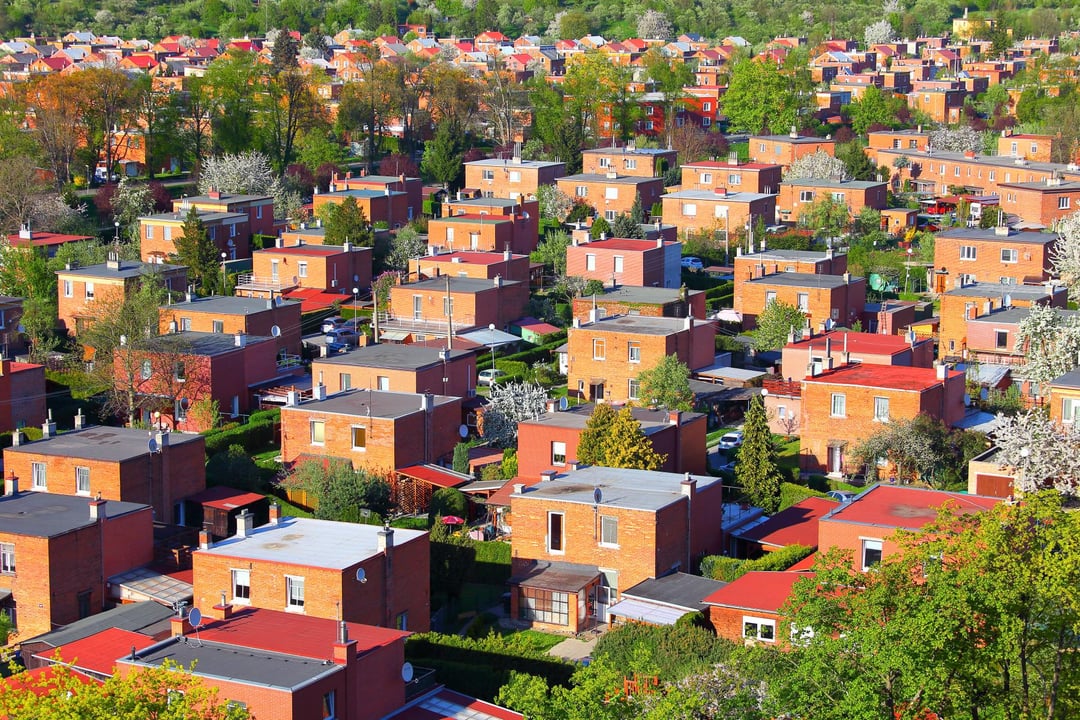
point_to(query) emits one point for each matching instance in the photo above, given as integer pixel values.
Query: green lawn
(287, 508)
(714, 437)
(788, 455)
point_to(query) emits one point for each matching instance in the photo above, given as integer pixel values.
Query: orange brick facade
(984, 256)
(841, 303)
(694, 211)
(783, 149)
(22, 392)
(460, 374)
(798, 195)
(484, 266)
(80, 297)
(390, 207)
(257, 320)
(963, 304)
(229, 232)
(628, 161)
(473, 305)
(323, 267)
(612, 195)
(509, 179)
(626, 262)
(734, 176)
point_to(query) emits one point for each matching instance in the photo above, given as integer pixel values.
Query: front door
(597, 390)
(836, 460)
(607, 594)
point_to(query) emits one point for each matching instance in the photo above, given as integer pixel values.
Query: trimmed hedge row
(728, 569)
(30, 432)
(528, 356)
(256, 435)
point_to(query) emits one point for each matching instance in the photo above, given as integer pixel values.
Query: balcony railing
(419, 325)
(286, 361)
(253, 282)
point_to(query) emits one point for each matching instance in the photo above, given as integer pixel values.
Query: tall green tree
(443, 156)
(774, 324)
(763, 96)
(347, 222)
(615, 439)
(670, 79)
(666, 384)
(875, 107)
(232, 80)
(757, 470)
(196, 250)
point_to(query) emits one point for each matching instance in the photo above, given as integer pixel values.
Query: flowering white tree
(654, 25)
(960, 139)
(554, 203)
(1065, 255)
(1044, 453)
(508, 404)
(1051, 341)
(820, 165)
(247, 173)
(131, 201)
(877, 33)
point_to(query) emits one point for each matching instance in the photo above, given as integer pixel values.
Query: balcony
(251, 282)
(419, 325)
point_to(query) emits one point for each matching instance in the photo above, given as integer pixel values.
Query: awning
(4, 595)
(397, 335)
(435, 475)
(646, 612)
(558, 576)
(145, 584)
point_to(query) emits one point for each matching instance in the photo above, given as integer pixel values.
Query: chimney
(11, 484)
(498, 281)
(80, 420)
(25, 234)
(16, 438)
(292, 398)
(507, 255)
(318, 392)
(48, 428)
(97, 508)
(675, 418)
(721, 191)
(942, 371)
(205, 540)
(594, 315)
(688, 486)
(847, 278)
(794, 133)
(688, 322)
(275, 513)
(547, 476)
(385, 539)
(576, 465)
(224, 609)
(162, 440)
(240, 340)
(427, 402)
(659, 242)
(1001, 230)
(214, 194)
(245, 523)
(519, 488)
(828, 253)
(577, 322)
(278, 242)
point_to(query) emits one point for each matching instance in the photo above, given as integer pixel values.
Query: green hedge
(728, 569)
(672, 652)
(529, 356)
(256, 435)
(790, 493)
(30, 433)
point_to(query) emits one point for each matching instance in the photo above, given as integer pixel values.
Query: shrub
(447, 501)
(235, 468)
(790, 493)
(728, 569)
(670, 652)
(256, 435)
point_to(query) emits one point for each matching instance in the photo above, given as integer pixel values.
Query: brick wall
(499, 305)
(693, 305)
(849, 536)
(791, 206)
(956, 310)
(776, 150)
(1032, 265)
(460, 373)
(677, 212)
(153, 245)
(843, 303)
(728, 622)
(639, 268)
(503, 186)
(757, 179)
(517, 268)
(286, 316)
(23, 395)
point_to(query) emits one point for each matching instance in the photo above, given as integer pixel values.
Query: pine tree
(443, 156)
(756, 469)
(599, 226)
(348, 222)
(196, 250)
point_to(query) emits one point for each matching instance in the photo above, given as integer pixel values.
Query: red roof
(757, 590)
(536, 326)
(893, 377)
(98, 653)
(906, 507)
(807, 563)
(314, 298)
(872, 343)
(225, 498)
(292, 634)
(798, 525)
(622, 244)
(36, 680)
(433, 476)
(477, 709)
(471, 258)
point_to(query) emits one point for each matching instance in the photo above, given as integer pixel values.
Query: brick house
(237, 315)
(56, 551)
(22, 394)
(513, 178)
(310, 566)
(332, 268)
(934, 172)
(620, 261)
(992, 338)
(485, 232)
(258, 208)
(481, 265)
(785, 149)
(607, 354)
(972, 301)
(430, 305)
(628, 160)
(1043, 202)
(171, 374)
(735, 176)
(612, 194)
(867, 525)
(379, 206)
(644, 301)
(574, 549)
(916, 140)
(408, 368)
(942, 105)
(1064, 400)
(229, 232)
(747, 610)
(797, 195)
(717, 210)
(377, 430)
(115, 464)
(998, 255)
(857, 398)
(824, 299)
(794, 525)
(856, 347)
(411, 186)
(1037, 148)
(80, 291)
(989, 476)
(767, 262)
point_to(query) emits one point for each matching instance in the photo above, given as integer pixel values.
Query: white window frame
(881, 409)
(321, 425)
(1010, 255)
(294, 601)
(838, 405)
(802, 302)
(1070, 410)
(558, 453)
(147, 370)
(7, 558)
(806, 196)
(617, 264)
(871, 544)
(581, 191)
(633, 389)
(969, 252)
(705, 178)
(760, 624)
(561, 550)
(39, 476)
(217, 326)
(611, 193)
(240, 578)
(590, 261)
(1064, 202)
(352, 437)
(149, 232)
(630, 163)
(487, 174)
(345, 381)
(69, 288)
(515, 176)
(689, 209)
(599, 349)
(633, 351)
(609, 531)
(89, 291)
(82, 473)
(301, 269)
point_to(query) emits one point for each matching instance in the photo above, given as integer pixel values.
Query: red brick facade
(994, 256)
(822, 298)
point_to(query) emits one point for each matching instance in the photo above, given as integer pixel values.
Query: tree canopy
(666, 384)
(615, 439)
(757, 470)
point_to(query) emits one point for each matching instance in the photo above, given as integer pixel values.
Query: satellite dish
(764, 391)
(275, 331)
(361, 576)
(525, 215)
(356, 278)
(151, 445)
(407, 672)
(563, 403)
(195, 617)
(877, 282)
(597, 496)
(463, 431)
(185, 403)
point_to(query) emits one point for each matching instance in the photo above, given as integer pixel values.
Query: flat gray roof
(1024, 237)
(229, 305)
(830, 183)
(997, 161)
(99, 442)
(392, 355)
(620, 488)
(146, 617)
(650, 295)
(618, 179)
(225, 197)
(781, 254)
(793, 279)
(370, 403)
(230, 662)
(189, 342)
(1060, 187)
(126, 269)
(1015, 315)
(735, 197)
(983, 290)
(639, 324)
(486, 202)
(679, 590)
(627, 151)
(181, 215)
(309, 542)
(457, 284)
(787, 138)
(578, 416)
(43, 514)
(501, 162)
(1070, 379)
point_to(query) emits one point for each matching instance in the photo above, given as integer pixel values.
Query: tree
(624, 226)
(235, 468)
(340, 491)
(447, 501)
(506, 103)
(289, 107)
(56, 123)
(763, 96)
(757, 470)
(820, 166)
(197, 251)
(159, 112)
(131, 201)
(284, 50)
(958, 140)
(443, 157)
(1042, 452)
(346, 222)
(874, 108)
(508, 404)
(406, 245)
(670, 80)
(105, 101)
(826, 217)
(615, 439)
(396, 164)
(1065, 254)
(247, 173)
(232, 79)
(599, 227)
(666, 384)
(554, 203)
(28, 201)
(552, 251)
(878, 33)
(922, 449)
(1050, 339)
(654, 25)
(775, 324)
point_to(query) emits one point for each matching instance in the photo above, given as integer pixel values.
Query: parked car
(332, 323)
(844, 496)
(693, 263)
(342, 339)
(489, 377)
(731, 440)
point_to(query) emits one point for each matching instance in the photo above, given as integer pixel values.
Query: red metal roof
(873, 343)
(622, 244)
(906, 507)
(41, 239)
(292, 634)
(798, 525)
(98, 653)
(894, 377)
(37, 680)
(315, 299)
(432, 475)
(757, 590)
(225, 498)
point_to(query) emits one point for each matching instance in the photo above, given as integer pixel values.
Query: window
(167, 232)
(401, 622)
(762, 629)
(706, 122)
(217, 326)
(1070, 410)
(633, 390)
(1009, 255)
(649, 124)
(633, 349)
(294, 592)
(318, 432)
(806, 196)
(1063, 203)
(558, 453)
(179, 373)
(839, 405)
(89, 291)
(609, 530)
(38, 476)
(650, 110)
(345, 381)
(630, 164)
(956, 171)
(328, 703)
(781, 412)
(838, 197)
(871, 553)
(7, 558)
(149, 232)
(382, 382)
(515, 176)
(301, 269)
(359, 437)
(68, 288)
(770, 296)
(488, 174)
(241, 586)
(611, 193)
(598, 350)
(544, 606)
(761, 147)
(82, 480)
(555, 542)
(590, 262)
(802, 302)
(881, 409)
(1001, 339)
(617, 264)
(706, 178)
(447, 306)
(581, 191)
(147, 370)
(992, 174)
(258, 212)
(734, 179)
(968, 252)
(689, 209)
(605, 162)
